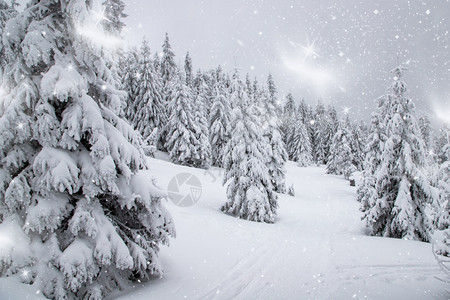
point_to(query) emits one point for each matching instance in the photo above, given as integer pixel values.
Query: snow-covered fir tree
(441, 238)
(249, 192)
(113, 15)
(6, 13)
(321, 134)
(397, 209)
(201, 122)
(340, 161)
(276, 151)
(149, 110)
(167, 64)
(358, 143)
(288, 118)
(182, 142)
(129, 76)
(298, 144)
(85, 221)
(218, 122)
(427, 133)
(188, 70)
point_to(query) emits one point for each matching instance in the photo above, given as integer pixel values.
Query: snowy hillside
(317, 249)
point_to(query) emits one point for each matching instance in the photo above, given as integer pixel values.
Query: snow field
(317, 249)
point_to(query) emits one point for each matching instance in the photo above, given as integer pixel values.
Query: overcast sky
(341, 51)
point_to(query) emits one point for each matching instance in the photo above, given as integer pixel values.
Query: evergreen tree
(402, 190)
(182, 141)
(441, 239)
(130, 76)
(219, 119)
(357, 145)
(6, 12)
(427, 132)
(442, 143)
(149, 110)
(298, 144)
(201, 123)
(188, 70)
(340, 161)
(276, 152)
(249, 191)
(168, 65)
(70, 195)
(113, 15)
(288, 119)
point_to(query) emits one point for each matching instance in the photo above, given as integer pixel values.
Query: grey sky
(355, 44)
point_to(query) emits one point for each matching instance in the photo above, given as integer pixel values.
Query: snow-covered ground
(316, 250)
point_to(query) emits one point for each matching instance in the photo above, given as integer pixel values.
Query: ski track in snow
(317, 249)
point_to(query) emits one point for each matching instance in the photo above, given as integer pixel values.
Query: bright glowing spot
(428, 12)
(308, 71)
(70, 67)
(442, 112)
(310, 50)
(20, 125)
(376, 11)
(104, 87)
(5, 241)
(312, 122)
(25, 274)
(44, 33)
(346, 110)
(431, 152)
(137, 75)
(341, 54)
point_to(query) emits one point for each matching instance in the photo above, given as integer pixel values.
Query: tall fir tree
(219, 119)
(276, 151)
(288, 119)
(298, 144)
(397, 209)
(149, 109)
(249, 192)
(201, 122)
(71, 197)
(340, 161)
(6, 12)
(188, 70)
(182, 141)
(113, 15)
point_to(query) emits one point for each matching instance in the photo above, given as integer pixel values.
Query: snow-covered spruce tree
(442, 143)
(299, 145)
(6, 13)
(129, 76)
(340, 161)
(182, 141)
(276, 151)
(81, 221)
(441, 238)
(427, 132)
(287, 120)
(320, 128)
(168, 65)
(357, 144)
(219, 119)
(249, 191)
(201, 123)
(366, 191)
(149, 109)
(113, 15)
(397, 209)
(188, 70)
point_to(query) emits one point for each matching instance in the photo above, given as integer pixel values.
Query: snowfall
(317, 249)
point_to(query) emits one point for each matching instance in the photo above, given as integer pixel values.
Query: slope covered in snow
(317, 248)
